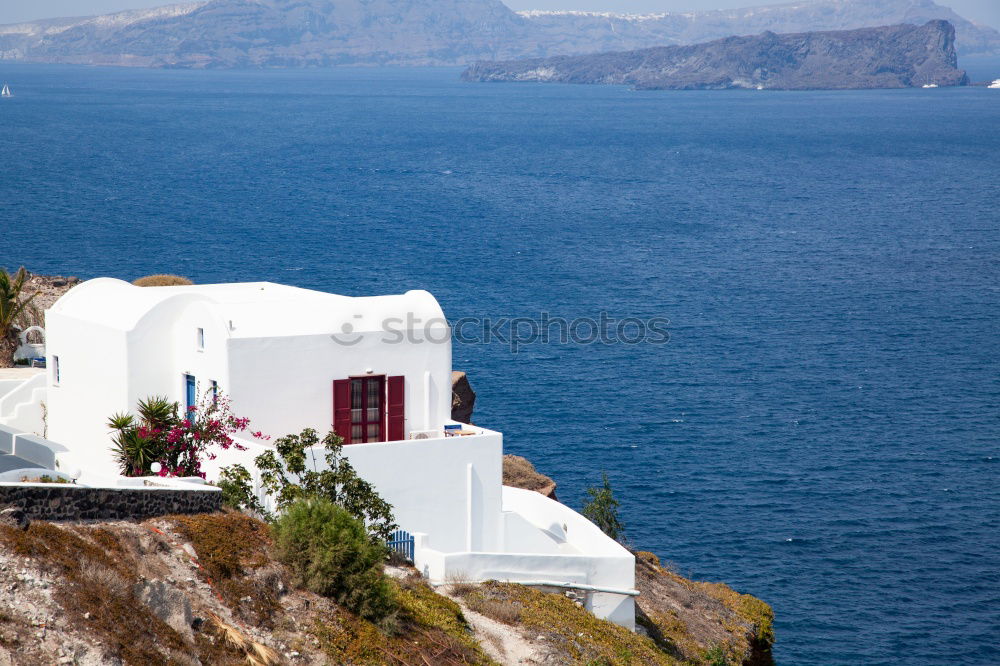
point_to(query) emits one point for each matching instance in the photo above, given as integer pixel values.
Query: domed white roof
(254, 309)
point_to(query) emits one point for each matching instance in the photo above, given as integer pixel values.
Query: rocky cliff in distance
(890, 57)
(320, 33)
(274, 33)
(594, 32)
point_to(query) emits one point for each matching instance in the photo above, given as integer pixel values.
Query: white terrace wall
(448, 488)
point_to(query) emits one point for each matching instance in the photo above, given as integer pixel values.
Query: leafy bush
(290, 479)
(330, 553)
(162, 280)
(237, 491)
(602, 510)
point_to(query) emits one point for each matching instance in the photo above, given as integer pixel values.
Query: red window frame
(353, 401)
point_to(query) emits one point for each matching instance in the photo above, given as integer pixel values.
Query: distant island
(320, 33)
(899, 56)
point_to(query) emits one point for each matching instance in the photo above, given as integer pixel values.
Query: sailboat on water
(6, 91)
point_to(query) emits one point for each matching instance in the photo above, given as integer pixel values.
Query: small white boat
(6, 91)
(995, 84)
(929, 85)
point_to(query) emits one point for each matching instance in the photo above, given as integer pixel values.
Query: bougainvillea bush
(179, 442)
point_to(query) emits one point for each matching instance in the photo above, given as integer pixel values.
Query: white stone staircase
(21, 407)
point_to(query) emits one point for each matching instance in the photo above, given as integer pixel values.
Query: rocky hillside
(205, 590)
(47, 289)
(898, 56)
(311, 33)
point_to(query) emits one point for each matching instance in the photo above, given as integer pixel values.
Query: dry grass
(233, 551)
(95, 587)
(162, 280)
(572, 631)
(518, 472)
(460, 585)
(431, 631)
(504, 611)
(255, 654)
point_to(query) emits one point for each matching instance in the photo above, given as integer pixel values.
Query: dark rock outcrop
(897, 56)
(463, 398)
(317, 33)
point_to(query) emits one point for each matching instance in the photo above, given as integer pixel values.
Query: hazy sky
(12, 11)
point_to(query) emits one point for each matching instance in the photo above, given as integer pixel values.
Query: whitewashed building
(377, 370)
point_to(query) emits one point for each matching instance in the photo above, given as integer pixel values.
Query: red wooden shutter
(342, 408)
(395, 413)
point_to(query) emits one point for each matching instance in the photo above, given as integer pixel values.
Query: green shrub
(289, 473)
(330, 553)
(162, 280)
(602, 510)
(238, 493)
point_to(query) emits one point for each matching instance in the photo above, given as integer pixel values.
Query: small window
(215, 391)
(201, 339)
(55, 371)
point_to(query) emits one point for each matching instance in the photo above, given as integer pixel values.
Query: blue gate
(401, 542)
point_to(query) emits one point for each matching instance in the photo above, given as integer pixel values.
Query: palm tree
(12, 307)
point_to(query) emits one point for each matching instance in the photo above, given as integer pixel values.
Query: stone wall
(68, 502)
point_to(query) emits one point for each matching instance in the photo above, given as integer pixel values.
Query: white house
(377, 370)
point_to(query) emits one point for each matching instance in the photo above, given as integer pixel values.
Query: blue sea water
(822, 428)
